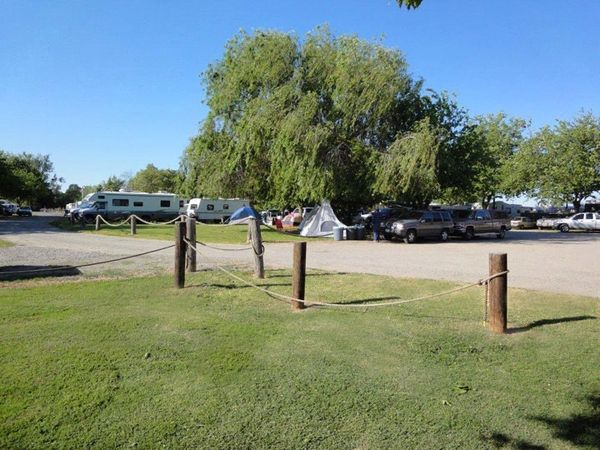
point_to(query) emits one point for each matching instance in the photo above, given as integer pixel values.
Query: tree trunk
(576, 204)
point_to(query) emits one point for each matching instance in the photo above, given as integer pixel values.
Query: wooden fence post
(298, 275)
(191, 236)
(133, 223)
(497, 293)
(180, 246)
(98, 222)
(257, 245)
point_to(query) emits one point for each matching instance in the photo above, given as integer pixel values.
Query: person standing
(376, 218)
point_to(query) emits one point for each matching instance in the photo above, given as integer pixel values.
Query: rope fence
(79, 266)
(287, 298)
(187, 247)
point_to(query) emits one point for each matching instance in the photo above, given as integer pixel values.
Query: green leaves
(295, 123)
(561, 164)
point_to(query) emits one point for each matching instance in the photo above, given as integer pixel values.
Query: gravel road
(548, 261)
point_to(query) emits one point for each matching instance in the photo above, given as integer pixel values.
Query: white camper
(214, 209)
(117, 205)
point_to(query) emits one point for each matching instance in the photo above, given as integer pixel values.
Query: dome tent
(320, 221)
(242, 215)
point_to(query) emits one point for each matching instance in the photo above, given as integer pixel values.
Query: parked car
(545, 222)
(9, 209)
(523, 223)
(483, 221)
(24, 211)
(582, 221)
(414, 225)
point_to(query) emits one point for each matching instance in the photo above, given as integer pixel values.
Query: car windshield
(86, 205)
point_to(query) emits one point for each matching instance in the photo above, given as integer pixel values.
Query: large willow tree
(293, 122)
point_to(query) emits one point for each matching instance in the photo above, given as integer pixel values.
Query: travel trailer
(119, 205)
(214, 209)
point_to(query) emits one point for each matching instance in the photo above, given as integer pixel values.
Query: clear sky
(106, 87)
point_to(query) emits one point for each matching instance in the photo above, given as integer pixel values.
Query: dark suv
(414, 225)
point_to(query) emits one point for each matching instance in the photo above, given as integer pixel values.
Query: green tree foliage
(113, 183)
(409, 3)
(71, 194)
(560, 164)
(493, 140)
(409, 170)
(29, 178)
(152, 179)
(291, 123)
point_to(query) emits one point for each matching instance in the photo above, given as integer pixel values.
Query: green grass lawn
(126, 363)
(235, 234)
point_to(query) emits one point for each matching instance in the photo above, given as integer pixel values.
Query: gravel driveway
(550, 261)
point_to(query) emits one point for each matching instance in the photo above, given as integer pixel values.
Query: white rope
(138, 218)
(121, 258)
(112, 224)
(225, 249)
(342, 305)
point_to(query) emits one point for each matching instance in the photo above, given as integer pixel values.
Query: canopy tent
(320, 221)
(243, 215)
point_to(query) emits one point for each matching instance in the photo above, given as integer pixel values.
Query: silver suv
(414, 225)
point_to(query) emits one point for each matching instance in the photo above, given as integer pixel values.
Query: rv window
(210, 207)
(225, 206)
(101, 196)
(165, 203)
(138, 203)
(120, 202)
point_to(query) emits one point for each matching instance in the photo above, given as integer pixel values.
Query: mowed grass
(235, 234)
(138, 363)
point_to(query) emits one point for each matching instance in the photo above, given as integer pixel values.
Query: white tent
(320, 221)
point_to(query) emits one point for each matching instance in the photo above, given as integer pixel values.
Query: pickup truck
(482, 221)
(582, 221)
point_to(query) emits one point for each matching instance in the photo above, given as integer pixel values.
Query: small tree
(560, 164)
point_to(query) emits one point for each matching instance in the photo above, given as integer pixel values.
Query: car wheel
(564, 228)
(444, 235)
(411, 237)
(469, 234)
(502, 234)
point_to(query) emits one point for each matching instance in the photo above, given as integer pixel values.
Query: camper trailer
(214, 209)
(119, 205)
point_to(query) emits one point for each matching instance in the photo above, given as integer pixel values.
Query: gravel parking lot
(541, 260)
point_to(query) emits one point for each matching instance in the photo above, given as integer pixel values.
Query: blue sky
(106, 87)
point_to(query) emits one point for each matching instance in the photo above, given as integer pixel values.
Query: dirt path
(567, 263)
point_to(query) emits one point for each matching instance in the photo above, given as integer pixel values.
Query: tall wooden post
(298, 275)
(133, 223)
(257, 245)
(180, 254)
(497, 293)
(98, 222)
(191, 236)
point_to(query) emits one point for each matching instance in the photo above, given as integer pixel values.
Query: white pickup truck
(583, 221)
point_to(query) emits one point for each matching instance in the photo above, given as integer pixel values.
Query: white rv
(214, 209)
(118, 205)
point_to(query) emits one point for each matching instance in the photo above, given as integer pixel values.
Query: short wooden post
(497, 293)
(257, 245)
(133, 223)
(191, 236)
(180, 254)
(298, 275)
(98, 222)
